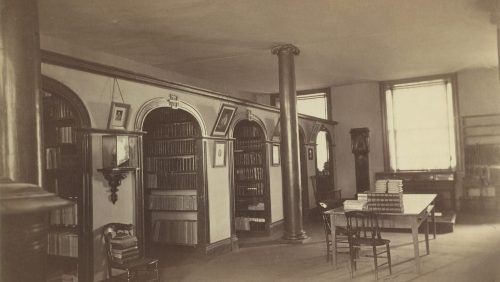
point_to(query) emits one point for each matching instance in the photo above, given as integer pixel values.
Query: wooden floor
(470, 253)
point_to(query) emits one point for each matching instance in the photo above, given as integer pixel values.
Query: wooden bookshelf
(63, 176)
(481, 181)
(172, 177)
(251, 191)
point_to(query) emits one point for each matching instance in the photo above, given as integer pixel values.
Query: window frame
(384, 85)
(275, 96)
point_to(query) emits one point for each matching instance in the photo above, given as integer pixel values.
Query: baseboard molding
(219, 247)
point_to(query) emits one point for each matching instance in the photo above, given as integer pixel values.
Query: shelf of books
(62, 176)
(172, 171)
(252, 202)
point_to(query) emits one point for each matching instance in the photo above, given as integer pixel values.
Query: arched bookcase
(67, 173)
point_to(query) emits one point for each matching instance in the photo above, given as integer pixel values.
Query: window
(420, 125)
(322, 152)
(312, 102)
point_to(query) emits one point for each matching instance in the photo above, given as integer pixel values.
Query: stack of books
(381, 186)
(357, 205)
(124, 248)
(385, 202)
(394, 186)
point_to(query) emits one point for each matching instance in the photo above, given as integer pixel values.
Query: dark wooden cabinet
(481, 162)
(251, 190)
(173, 178)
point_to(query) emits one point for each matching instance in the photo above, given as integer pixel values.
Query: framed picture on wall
(275, 154)
(220, 154)
(118, 116)
(226, 114)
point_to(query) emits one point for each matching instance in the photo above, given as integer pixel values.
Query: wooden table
(416, 210)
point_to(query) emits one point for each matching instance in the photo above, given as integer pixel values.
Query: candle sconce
(119, 157)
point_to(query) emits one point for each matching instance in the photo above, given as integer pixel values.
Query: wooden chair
(340, 234)
(324, 193)
(364, 232)
(114, 232)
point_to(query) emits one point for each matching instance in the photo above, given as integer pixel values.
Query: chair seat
(370, 242)
(134, 264)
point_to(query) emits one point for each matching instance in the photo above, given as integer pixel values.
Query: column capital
(285, 48)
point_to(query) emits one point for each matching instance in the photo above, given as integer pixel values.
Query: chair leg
(375, 261)
(328, 250)
(156, 272)
(129, 276)
(352, 262)
(389, 257)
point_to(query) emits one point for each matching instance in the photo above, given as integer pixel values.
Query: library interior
(275, 140)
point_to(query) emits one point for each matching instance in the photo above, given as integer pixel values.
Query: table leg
(427, 234)
(414, 233)
(334, 238)
(433, 217)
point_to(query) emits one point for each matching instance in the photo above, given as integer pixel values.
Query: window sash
(420, 135)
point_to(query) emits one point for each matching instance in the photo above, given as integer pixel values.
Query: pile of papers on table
(357, 205)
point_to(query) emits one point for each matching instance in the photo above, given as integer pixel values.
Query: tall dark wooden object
(360, 146)
(290, 158)
(24, 205)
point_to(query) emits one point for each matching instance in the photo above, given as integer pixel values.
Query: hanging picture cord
(115, 82)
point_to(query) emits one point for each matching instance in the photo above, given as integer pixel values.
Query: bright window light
(420, 126)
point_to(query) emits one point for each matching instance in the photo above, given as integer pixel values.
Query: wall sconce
(119, 156)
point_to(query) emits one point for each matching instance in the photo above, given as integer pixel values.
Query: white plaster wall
(479, 91)
(275, 187)
(218, 196)
(354, 106)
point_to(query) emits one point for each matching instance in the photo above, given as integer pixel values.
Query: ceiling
(229, 41)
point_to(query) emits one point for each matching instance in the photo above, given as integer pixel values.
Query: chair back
(362, 224)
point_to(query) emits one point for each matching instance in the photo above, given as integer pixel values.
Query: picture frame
(310, 154)
(220, 154)
(275, 153)
(118, 116)
(224, 119)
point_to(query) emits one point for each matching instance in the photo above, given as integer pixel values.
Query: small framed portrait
(220, 154)
(226, 114)
(275, 155)
(118, 116)
(310, 154)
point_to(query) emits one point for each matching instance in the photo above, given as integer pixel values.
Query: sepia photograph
(250, 140)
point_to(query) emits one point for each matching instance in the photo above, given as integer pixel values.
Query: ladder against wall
(481, 162)
(251, 188)
(173, 179)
